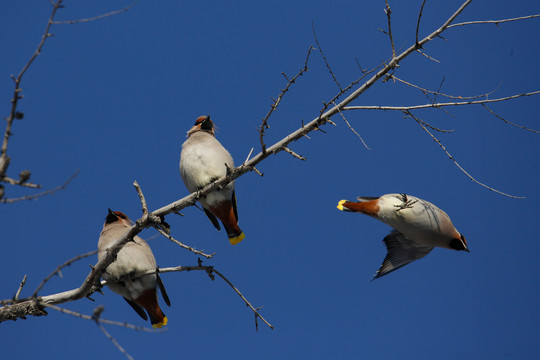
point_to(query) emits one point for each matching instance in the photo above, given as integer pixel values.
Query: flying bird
(418, 227)
(203, 160)
(123, 275)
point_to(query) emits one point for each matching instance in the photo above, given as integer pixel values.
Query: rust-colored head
(203, 123)
(116, 216)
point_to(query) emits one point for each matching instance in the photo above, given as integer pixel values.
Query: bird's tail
(225, 211)
(342, 205)
(235, 238)
(148, 300)
(366, 206)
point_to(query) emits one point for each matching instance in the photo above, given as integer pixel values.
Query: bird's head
(117, 217)
(203, 123)
(459, 243)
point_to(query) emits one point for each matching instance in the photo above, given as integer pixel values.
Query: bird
(418, 227)
(123, 276)
(203, 160)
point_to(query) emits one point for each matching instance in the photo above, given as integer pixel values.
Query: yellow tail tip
(235, 240)
(340, 205)
(159, 325)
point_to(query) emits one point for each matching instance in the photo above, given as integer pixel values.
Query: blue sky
(114, 98)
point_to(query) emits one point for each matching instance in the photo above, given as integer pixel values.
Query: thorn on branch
(257, 171)
(299, 157)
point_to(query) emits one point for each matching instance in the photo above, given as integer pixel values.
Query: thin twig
(438, 93)
(60, 267)
(104, 321)
(249, 155)
(426, 55)
(426, 124)
(255, 311)
(426, 106)
(14, 114)
(11, 181)
(418, 22)
(324, 57)
(388, 12)
(210, 270)
(496, 22)
(352, 129)
(455, 162)
(509, 122)
(96, 17)
(95, 316)
(21, 285)
(198, 252)
(273, 107)
(48, 192)
(142, 199)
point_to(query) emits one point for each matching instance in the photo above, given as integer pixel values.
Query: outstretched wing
(400, 252)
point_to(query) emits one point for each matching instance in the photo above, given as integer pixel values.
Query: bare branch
(95, 316)
(255, 311)
(14, 114)
(454, 160)
(496, 22)
(115, 12)
(509, 122)
(198, 252)
(60, 267)
(324, 57)
(353, 130)
(388, 12)
(21, 285)
(437, 105)
(249, 155)
(273, 107)
(418, 21)
(143, 200)
(433, 127)
(209, 270)
(11, 181)
(48, 192)
(438, 93)
(101, 320)
(426, 55)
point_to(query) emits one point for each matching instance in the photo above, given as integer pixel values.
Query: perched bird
(123, 275)
(203, 160)
(419, 226)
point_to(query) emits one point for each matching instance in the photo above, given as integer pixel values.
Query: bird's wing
(212, 218)
(162, 290)
(366, 198)
(137, 308)
(400, 252)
